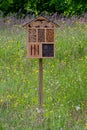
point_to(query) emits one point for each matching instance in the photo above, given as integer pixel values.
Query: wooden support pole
(40, 83)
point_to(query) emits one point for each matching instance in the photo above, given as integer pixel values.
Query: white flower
(77, 107)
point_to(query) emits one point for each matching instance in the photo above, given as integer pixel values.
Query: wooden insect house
(40, 38)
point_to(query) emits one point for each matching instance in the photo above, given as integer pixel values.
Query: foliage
(65, 81)
(13, 6)
(77, 7)
(23, 7)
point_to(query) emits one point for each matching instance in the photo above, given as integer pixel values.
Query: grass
(65, 81)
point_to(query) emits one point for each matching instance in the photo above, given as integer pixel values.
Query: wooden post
(40, 91)
(40, 83)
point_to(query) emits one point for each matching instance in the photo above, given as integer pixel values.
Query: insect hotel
(40, 38)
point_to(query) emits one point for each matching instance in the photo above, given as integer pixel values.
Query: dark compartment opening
(48, 50)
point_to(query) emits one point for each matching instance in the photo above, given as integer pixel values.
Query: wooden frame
(40, 32)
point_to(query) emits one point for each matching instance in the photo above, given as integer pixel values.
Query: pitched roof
(38, 18)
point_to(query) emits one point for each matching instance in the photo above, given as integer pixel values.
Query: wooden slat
(31, 50)
(38, 49)
(36, 35)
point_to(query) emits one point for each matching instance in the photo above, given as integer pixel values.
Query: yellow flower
(86, 57)
(86, 126)
(1, 101)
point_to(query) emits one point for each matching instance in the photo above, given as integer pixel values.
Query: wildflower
(38, 110)
(86, 126)
(86, 57)
(77, 108)
(1, 101)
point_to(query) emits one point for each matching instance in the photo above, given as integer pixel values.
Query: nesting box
(40, 38)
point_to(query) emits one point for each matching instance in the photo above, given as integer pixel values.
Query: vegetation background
(65, 76)
(24, 7)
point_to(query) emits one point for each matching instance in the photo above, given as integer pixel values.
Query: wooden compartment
(48, 50)
(32, 35)
(34, 50)
(49, 35)
(41, 35)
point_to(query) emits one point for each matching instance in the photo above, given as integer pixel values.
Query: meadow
(64, 81)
